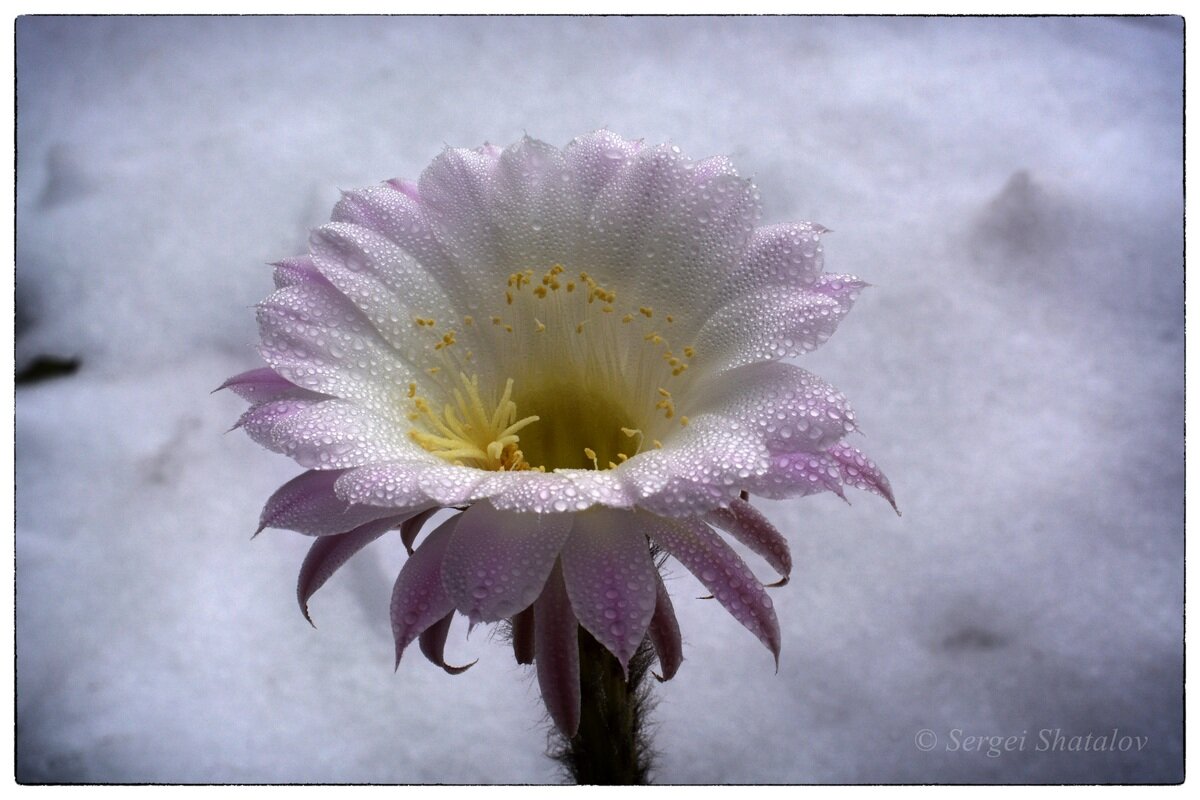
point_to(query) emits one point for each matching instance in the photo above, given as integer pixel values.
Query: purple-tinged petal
(259, 420)
(787, 255)
(664, 633)
(537, 492)
(337, 434)
(391, 484)
(329, 553)
(749, 526)
(862, 473)
(610, 579)
(307, 504)
(389, 286)
(497, 561)
(522, 636)
(406, 187)
(595, 159)
(722, 571)
(556, 637)
(789, 408)
(702, 466)
(843, 289)
(454, 195)
(766, 325)
(295, 271)
(799, 474)
(433, 645)
(657, 218)
(265, 384)
(412, 527)
(418, 599)
(315, 337)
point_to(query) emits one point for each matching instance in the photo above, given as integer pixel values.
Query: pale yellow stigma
(467, 434)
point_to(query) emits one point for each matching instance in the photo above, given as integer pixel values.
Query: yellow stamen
(465, 433)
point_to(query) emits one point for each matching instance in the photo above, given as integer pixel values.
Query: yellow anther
(579, 327)
(434, 370)
(622, 457)
(607, 309)
(495, 320)
(570, 286)
(467, 434)
(670, 319)
(412, 390)
(646, 311)
(468, 320)
(611, 465)
(627, 318)
(540, 291)
(689, 351)
(413, 416)
(663, 392)
(631, 432)
(591, 455)
(508, 298)
(657, 444)
(679, 370)
(541, 328)
(508, 328)
(683, 421)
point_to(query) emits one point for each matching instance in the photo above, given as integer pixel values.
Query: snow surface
(1011, 187)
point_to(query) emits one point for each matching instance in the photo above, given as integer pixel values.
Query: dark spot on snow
(66, 178)
(972, 638)
(1021, 221)
(44, 368)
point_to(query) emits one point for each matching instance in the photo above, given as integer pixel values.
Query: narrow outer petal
(664, 633)
(749, 526)
(307, 504)
(329, 553)
(610, 578)
(411, 527)
(263, 384)
(722, 571)
(862, 473)
(556, 637)
(418, 598)
(433, 645)
(523, 637)
(497, 561)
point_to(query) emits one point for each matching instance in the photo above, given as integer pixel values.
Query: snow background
(1011, 187)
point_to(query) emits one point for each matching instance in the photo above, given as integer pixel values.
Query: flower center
(590, 377)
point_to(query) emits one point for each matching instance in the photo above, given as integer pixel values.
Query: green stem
(610, 747)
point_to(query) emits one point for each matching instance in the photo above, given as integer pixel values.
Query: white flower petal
(384, 281)
(766, 325)
(668, 235)
(318, 339)
(789, 408)
(336, 434)
(704, 466)
(395, 484)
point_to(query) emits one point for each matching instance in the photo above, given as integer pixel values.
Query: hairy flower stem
(611, 746)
